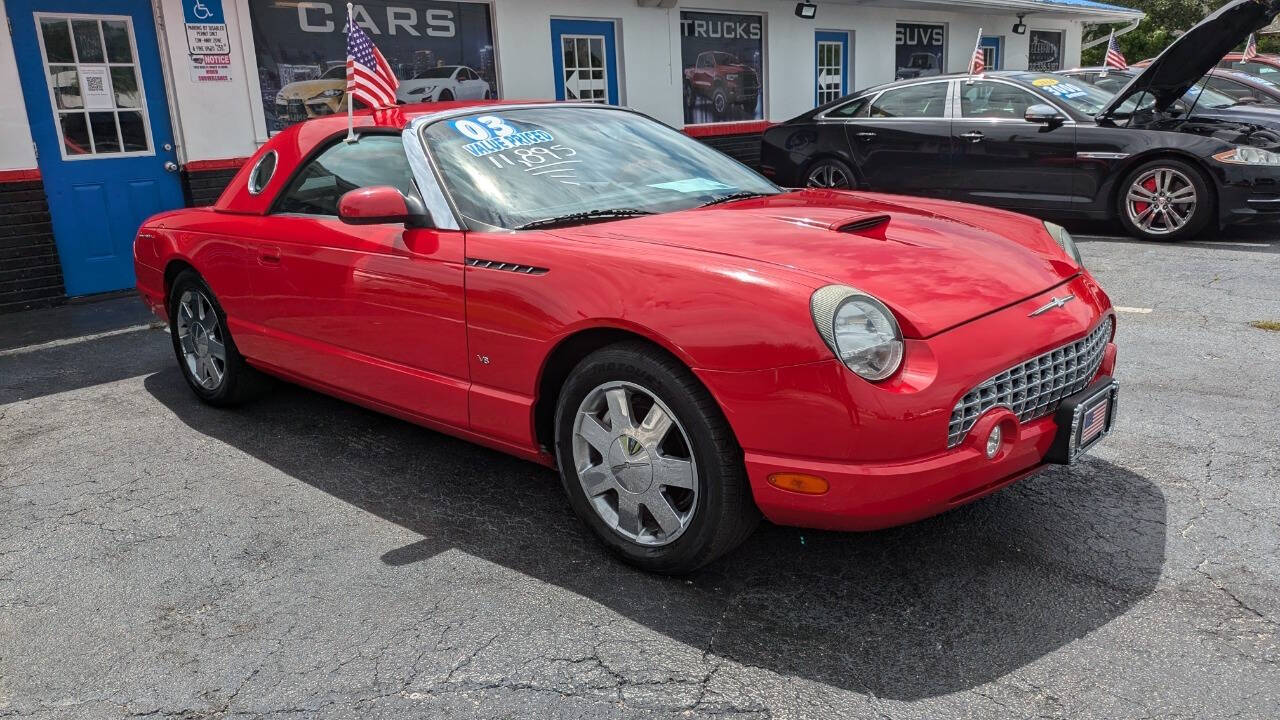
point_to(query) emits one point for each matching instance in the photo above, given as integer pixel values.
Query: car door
(373, 310)
(1001, 159)
(900, 140)
(472, 86)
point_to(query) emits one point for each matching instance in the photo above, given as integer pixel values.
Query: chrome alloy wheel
(638, 476)
(1161, 200)
(827, 175)
(200, 335)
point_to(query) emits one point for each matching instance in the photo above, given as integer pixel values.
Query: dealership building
(123, 108)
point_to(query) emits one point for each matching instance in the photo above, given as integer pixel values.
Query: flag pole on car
(977, 63)
(369, 76)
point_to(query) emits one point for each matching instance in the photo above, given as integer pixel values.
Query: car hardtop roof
(296, 143)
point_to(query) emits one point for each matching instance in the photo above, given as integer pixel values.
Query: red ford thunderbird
(691, 345)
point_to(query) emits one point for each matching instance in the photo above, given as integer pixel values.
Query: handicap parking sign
(203, 12)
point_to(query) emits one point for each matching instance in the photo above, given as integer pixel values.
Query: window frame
(136, 64)
(320, 149)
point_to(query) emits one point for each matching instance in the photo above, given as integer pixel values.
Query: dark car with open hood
(1051, 145)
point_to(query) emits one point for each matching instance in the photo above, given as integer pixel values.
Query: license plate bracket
(1084, 419)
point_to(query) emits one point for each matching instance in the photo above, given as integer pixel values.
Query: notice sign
(210, 68)
(206, 27)
(95, 87)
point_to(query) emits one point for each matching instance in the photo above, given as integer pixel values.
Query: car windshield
(920, 60)
(437, 72)
(508, 168)
(1208, 98)
(335, 73)
(1081, 96)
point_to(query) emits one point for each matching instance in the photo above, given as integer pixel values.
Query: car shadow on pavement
(932, 608)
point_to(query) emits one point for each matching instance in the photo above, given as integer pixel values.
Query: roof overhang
(1077, 10)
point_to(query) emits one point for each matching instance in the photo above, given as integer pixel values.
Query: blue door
(831, 65)
(991, 51)
(584, 56)
(94, 94)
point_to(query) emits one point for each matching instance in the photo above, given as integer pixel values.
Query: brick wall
(202, 187)
(30, 275)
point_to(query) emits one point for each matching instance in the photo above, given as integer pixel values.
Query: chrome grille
(1033, 388)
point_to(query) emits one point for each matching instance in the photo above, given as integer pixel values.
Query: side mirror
(382, 204)
(1043, 115)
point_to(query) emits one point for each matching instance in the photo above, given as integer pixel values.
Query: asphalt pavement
(301, 557)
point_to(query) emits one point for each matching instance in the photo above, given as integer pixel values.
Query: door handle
(269, 255)
(972, 136)
(864, 135)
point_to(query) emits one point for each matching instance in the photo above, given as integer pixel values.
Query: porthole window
(262, 173)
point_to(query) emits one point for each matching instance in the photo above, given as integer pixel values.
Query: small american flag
(1251, 48)
(978, 64)
(1115, 58)
(369, 76)
(1095, 419)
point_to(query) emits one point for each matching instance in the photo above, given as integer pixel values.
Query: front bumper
(882, 448)
(1248, 194)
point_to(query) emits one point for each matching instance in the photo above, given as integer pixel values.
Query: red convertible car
(691, 345)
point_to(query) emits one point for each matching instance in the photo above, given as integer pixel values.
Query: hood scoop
(866, 225)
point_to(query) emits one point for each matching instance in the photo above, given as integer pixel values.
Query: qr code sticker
(93, 84)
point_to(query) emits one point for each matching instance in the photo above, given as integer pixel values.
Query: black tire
(826, 173)
(239, 381)
(445, 96)
(719, 101)
(688, 95)
(1162, 227)
(487, 94)
(725, 512)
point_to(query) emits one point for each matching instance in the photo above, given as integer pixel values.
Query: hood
(936, 264)
(307, 89)
(1199, 49)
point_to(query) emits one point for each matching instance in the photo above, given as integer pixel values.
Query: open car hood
(1200, 48)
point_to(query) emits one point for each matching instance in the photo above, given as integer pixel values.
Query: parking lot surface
(301, 557)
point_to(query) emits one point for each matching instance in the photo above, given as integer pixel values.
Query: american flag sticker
(1095, 420)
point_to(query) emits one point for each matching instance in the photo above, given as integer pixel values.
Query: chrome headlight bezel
(1065, 241)
(1248, 155)
(826, 306)
(330, 93)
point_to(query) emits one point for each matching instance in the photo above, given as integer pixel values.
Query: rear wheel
(829, 173)
(1165, 199)
(206, 353)
(649, 462)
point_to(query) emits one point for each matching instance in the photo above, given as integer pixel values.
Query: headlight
(731, 77)
(332, 93)
(1244, 155)
(280, 98)
(859, 329)
(1065, 241)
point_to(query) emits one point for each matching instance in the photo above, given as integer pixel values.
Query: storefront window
(1045, 51)
(438, 50)
(723, 66)
(921, 50)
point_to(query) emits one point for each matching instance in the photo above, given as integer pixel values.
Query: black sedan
(1052, 145)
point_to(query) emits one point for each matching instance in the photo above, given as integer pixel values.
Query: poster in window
(438, 50)
(1044, 53)
(722, 56)
(920, 50)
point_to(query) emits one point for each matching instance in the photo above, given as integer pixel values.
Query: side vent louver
(506, 267)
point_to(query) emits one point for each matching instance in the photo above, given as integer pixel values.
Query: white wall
(225, 120)
(17, 152)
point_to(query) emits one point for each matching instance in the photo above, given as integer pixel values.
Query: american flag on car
(1095, 420)
(369, 76)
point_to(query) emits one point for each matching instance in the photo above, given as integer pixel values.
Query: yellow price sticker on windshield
(1044, 82)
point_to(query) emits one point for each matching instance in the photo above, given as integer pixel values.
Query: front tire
(445, 96)
(1165, 199)
(206, 352)
(719, 101)
(649, 462)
